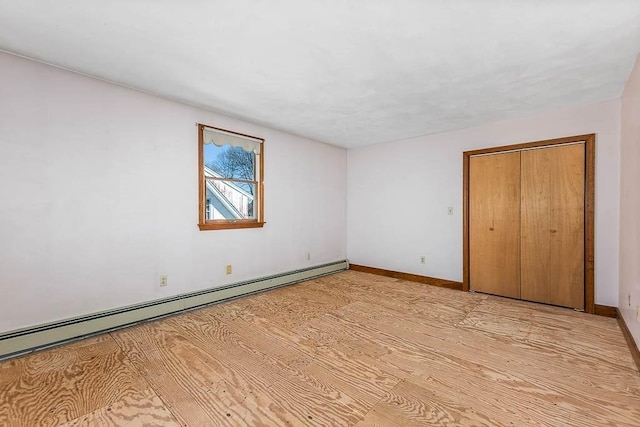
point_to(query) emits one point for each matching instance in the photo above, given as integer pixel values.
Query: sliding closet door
(494, 224)
(552, 203)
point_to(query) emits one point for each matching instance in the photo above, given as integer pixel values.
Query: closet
(529, 221)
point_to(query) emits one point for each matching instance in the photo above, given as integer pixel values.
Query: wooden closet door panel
(494, 224)
(553, 225)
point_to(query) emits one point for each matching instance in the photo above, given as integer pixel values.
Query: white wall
(98, 198)
(630, 203)
(398, 193)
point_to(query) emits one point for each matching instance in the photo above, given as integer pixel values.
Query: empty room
(329, 213)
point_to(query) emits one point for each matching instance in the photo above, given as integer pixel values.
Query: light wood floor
(347, 349)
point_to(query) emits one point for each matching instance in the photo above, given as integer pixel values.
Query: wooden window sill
(230, 225)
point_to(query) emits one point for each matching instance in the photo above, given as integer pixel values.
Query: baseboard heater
(34, 338)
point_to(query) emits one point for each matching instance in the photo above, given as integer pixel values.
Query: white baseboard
(22, 341)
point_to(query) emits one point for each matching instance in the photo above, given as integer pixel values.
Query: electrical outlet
(628, 300)
(308, 256)
(163, 280)
(229, 269)
(423, 259)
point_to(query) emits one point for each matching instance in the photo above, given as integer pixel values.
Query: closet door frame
(589, 196)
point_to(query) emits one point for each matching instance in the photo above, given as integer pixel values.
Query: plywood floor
(347, 349)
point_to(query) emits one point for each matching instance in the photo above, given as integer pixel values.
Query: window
(230, 179)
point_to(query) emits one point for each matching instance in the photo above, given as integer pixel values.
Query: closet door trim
(589, 196)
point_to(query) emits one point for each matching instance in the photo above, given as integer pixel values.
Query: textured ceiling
(344, 72)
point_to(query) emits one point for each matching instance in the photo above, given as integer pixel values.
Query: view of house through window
(230, 179)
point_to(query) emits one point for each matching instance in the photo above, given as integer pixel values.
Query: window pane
(229, 162)
(226, 199)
